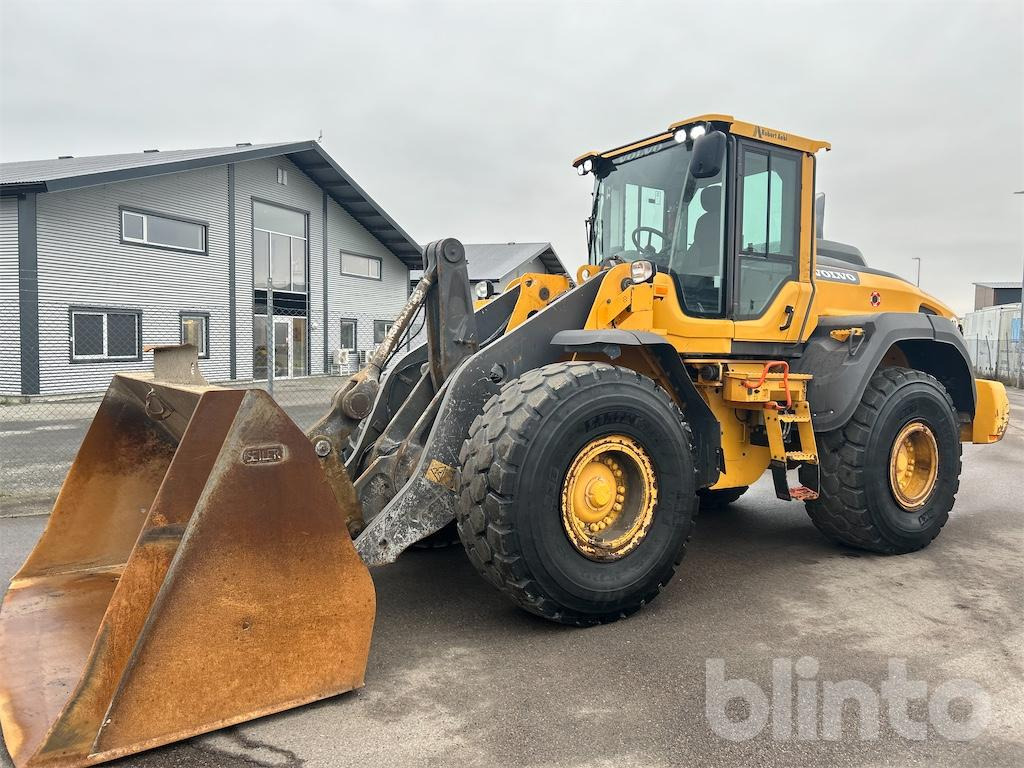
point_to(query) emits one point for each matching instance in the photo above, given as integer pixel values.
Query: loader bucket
(196, 572)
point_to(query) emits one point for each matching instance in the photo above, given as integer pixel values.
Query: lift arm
(451, 337)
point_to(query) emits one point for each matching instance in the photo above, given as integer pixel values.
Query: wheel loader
(206, 562)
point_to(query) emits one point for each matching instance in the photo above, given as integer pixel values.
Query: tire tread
(490, 460)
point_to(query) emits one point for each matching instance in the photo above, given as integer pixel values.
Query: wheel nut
(595, 527)
(617, 507)
(621, 489)
(618, 473)
(620, 498)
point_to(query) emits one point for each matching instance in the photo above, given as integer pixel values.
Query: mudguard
(842, 369)
(708, 459)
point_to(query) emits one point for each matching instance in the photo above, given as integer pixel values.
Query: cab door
(771, 276)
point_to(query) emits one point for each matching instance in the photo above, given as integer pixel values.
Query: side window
(105, 334)
(195, 330)
(348, 335)
(697, 258)
(769, 227)
(380, 330)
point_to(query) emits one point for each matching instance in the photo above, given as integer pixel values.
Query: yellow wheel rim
(913, 466)
(608, 497)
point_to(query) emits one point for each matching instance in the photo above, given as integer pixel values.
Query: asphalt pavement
(459, 676)
(39, 440)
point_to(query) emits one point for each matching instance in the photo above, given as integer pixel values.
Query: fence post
(271, 352)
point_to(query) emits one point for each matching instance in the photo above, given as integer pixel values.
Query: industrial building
(101, 257)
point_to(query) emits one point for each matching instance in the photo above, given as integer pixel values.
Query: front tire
(577, 491)
(890, 476)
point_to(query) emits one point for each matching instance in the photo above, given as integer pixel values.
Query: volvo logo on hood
(837, 275)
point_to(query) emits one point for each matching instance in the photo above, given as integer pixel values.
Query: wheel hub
(608, 497)
(913, 466)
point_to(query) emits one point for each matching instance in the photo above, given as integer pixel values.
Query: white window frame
(144, 240)
(355, 333)
(204, 349)
(387, 328)
(104, 313)
(369, 259)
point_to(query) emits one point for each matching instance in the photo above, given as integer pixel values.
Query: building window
(278, 248)
(360, 266)
(105, 334)
(380, 330)
(282, 176)
(162, 231)
(348, 335)
(195, 330)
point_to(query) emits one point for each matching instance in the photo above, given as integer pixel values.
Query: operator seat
(707, 234)
(698, 280)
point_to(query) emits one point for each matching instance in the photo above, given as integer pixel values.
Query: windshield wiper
(591, 225)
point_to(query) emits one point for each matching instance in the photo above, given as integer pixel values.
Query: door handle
(790, 311)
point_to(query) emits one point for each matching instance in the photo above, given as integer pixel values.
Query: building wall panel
(10, 337)
(82, 262)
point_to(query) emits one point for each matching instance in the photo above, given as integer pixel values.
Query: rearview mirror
(707, 155)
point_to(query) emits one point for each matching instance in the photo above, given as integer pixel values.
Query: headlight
(697, 131)
(679, 135)
(588, 165)
(641, 271)
(483, 290)
(580, 170)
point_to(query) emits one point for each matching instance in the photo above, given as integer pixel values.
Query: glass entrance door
(289, 347)
(282, 347)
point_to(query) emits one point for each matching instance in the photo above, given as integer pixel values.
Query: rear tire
(719, 498)
(518, 466)
(862, 502)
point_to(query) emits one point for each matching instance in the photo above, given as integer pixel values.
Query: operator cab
(716, 203)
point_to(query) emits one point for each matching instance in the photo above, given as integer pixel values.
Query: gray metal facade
(82, 262)
(10, 335)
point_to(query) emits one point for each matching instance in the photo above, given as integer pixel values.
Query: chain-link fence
(998, 359)
(40, 434)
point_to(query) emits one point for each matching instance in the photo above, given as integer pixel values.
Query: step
(811, 458)
(794, 417)
(802, 493)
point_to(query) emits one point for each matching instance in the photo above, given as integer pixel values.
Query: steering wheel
(648, 250)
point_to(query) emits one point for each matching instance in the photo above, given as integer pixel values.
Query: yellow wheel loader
(206, 561)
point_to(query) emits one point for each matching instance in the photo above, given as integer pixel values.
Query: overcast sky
(462, 118)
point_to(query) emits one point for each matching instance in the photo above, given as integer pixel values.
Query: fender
(842, 369)
(709, 461)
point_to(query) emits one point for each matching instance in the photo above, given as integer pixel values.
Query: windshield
(641, 212)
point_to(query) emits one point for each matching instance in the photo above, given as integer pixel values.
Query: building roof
(493, 261)
(309, 156)
(1004, 284)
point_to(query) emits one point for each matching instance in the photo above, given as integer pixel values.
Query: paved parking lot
(39, 440)
(458, 676)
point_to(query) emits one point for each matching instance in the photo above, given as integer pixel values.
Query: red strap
(764, 375)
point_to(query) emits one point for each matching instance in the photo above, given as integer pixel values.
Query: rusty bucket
(196, 572)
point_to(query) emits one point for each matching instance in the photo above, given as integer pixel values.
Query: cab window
(769, 227)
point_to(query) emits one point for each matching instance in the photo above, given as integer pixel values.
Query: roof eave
(22, 188)
(409, 245)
